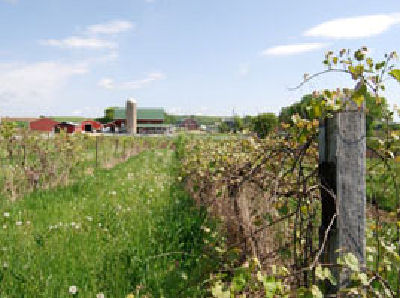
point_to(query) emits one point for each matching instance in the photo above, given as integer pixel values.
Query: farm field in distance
(126, 230)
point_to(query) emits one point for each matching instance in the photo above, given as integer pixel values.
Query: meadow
(127, 230)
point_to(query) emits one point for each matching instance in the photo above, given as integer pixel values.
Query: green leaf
(316, 292)
(395, 73)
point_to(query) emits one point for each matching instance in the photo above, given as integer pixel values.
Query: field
(130, 229)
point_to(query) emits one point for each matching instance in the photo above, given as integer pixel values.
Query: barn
(91, 126)
(68, 127)
(43, 124)
(189, 124)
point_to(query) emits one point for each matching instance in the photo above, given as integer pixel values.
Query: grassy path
(130, 229)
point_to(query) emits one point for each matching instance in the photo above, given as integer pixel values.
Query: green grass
(131, 229)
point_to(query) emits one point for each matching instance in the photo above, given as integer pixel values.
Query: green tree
(263, 124)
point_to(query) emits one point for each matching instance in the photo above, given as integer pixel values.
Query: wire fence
(30, 161)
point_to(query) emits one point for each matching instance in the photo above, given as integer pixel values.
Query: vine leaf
(395, 73)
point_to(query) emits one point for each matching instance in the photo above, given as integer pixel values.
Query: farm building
(189, 124)
(91, 126)
(43, 124)
(148, 121)
(68, 127)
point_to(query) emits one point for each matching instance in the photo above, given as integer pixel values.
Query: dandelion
(130, 296)
(18, 223)
(73, 290)
(100, 295)
(6, 214)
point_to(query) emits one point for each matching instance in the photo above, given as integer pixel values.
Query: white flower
(5, 265)
(6, 214)
(89, 218)
(28, 222)
(73, 223)
(4, 227)
(100, 295)
(19, 223)
(73, 290)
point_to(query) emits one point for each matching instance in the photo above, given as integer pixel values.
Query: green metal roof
(142, 113)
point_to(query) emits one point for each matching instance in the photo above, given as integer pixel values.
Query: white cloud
(356, 27)
(76, 42)
(292, 49)
(109, 83)
(112, 27)
(106, 83)
(33, 87)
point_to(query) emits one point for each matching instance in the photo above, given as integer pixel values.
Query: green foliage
(263, 124)
(131, 229)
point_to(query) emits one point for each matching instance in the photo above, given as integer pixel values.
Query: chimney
(131, 119)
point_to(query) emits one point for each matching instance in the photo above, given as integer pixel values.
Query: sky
(208, 57)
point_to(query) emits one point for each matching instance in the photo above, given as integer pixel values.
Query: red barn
(43, 124)
(189, 124)
(91, 126)
(67, 127)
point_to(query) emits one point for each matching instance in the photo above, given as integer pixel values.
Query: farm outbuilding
(43, 124)
(148, 120)
(68, 127)
(91, 126)
(189, 124)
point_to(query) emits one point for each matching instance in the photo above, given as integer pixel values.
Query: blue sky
(77, 57)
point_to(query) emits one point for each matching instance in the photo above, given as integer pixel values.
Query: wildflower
(73, 223)
(73, 290)
(130, 296)
(89, 218)
(5, 265)
(18, 223)
(100, 295)
(28, 222)
(6, 214)
(4, 227)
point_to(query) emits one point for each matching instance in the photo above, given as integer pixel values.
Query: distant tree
(237, 124)
(223, 127)
(375, 112)
(263, 124)
(170, 119)
(109, 113)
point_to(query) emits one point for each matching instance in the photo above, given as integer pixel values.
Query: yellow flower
(130, 296)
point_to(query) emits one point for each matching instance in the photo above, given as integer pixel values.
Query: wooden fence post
(342, 163)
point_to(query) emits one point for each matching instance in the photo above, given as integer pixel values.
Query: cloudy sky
(77, 57)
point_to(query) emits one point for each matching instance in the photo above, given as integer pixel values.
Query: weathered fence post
(342, 158)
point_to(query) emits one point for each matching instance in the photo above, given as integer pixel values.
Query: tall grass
(131, 229)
